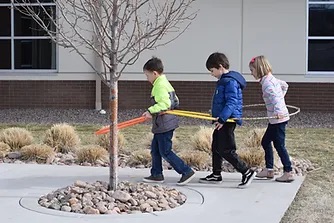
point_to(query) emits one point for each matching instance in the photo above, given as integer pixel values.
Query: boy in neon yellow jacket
(163, 98)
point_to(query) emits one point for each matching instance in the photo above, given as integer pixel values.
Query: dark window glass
(26, 26)
(35, 54)
(5, 59)
(321, 55)
(4, 1)
(321, 20)
(5, 21)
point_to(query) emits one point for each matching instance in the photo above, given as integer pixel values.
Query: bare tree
(117, 31)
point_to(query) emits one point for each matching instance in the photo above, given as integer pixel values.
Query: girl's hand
(280, 116)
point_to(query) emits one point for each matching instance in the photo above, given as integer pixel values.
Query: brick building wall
(193, 95)
(47, 94)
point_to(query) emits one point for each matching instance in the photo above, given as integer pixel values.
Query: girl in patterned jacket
(273, 92)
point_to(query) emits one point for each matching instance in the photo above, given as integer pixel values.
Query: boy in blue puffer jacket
(226, 104)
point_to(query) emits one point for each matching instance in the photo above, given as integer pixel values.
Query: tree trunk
(113, 149)
(113, 103)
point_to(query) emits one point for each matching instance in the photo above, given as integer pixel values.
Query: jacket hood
(234, 75)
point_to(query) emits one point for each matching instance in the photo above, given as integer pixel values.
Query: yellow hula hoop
(207, 116)
(192, 114)
(186, 114)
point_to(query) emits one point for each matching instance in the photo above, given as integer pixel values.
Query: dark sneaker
(186, 178)
(211, 179)
(154, 179)
(247, 178)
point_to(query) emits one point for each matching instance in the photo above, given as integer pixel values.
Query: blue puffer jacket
(227, 99)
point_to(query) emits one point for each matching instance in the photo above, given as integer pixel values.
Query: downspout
(98, 88)
(98, 65)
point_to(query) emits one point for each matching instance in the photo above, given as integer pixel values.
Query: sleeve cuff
(221, 121)
(149, 110)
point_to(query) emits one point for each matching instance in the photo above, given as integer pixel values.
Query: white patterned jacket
(274, 91)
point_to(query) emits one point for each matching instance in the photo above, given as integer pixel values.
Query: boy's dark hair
(217, 59)
(154, 64)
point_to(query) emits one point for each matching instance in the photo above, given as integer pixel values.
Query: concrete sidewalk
(22, 184)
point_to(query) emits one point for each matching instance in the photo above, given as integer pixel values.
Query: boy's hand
(218, 125)
(147, 114)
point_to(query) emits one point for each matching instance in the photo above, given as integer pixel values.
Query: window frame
(308, 38)
(12, 39)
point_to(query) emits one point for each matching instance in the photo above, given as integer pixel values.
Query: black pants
(223, 146)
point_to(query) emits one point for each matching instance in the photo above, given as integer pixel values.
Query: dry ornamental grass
(202, 139)
(40, 153)
(253, 156)
(140, 157)
(91, 154)
(16, 137)
(196, 159)
(252, 153)
(254, 137)
(4, 149)
(62, 137)
(104, 141)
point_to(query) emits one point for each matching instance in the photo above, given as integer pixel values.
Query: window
(320, 36)
(23, 44)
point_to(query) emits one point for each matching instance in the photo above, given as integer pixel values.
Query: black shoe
(186, 178)
(211, 179)
(247, 178)
(154, 179)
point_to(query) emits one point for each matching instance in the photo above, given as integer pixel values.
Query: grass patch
(314, 201)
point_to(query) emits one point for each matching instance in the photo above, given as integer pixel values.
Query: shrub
(196, 159)
(147, 140)
(140, 157)
(16, 138)
(202, 139)
(41, 153)
(62, 137)
(103, 141)
(91, 154)
(253, 139)
(4, 149)
(253, 156)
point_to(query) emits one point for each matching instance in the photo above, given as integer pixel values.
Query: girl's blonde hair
(261, 65)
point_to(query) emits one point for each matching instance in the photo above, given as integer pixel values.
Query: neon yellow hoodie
(163, 97)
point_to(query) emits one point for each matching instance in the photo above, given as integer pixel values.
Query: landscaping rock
(130, 198)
